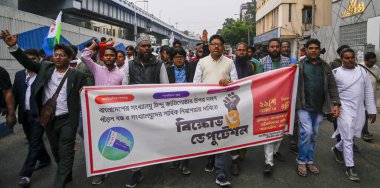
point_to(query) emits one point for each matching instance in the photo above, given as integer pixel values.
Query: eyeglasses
(215, 45)
(59, 55)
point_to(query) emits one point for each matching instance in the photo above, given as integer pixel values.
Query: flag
(53, 36)
(171, 40)
(118, 141)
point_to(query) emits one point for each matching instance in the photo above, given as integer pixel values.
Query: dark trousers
(36, 150)
(61, 136)
(365, 128)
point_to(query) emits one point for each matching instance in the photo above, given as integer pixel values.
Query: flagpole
(108, 137)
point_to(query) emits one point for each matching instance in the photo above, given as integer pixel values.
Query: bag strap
(368, 70)
(55, 95)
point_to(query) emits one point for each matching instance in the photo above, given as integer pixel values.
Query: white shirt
(127, 59)
(126, 64)
(210, 71)
(62, 96)
(28, 88)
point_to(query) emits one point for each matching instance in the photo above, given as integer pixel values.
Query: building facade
(355, 23)
(290, 20)
(245, 13)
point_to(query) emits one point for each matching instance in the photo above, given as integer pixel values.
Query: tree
(235, 31)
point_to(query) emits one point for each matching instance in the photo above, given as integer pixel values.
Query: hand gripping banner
(139, 125)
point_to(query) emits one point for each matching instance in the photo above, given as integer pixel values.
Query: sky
(194, 15)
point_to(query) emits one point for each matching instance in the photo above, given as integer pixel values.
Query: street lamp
(135, 26)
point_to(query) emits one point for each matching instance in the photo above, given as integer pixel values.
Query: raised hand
(204, 36)
(93, 45)
(9, 39)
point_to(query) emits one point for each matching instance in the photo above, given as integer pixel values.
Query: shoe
(186, 170)
(210, 166)
(174, 165)
(278, 157)
(96, 180)
(352, 175)
(24, 182)
(40, 165)
(268, 169)
(136, 178)
(235, 167)
(355, 148)
(367, 137)
(222, 181)
(338, 155)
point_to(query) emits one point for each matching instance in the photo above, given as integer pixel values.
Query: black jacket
(190, 71)
(330, 88)
(140, 73)
(19, 91)
(44, 71)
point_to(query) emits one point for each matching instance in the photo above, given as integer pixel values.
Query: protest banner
(139, 125)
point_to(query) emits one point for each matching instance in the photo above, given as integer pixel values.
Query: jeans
(219, 164)
(309, 123)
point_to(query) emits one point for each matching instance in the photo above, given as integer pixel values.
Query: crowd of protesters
(344, 91)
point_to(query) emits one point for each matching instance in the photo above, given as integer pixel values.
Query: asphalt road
(13, 151)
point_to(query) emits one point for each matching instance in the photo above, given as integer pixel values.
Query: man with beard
(214, 69)
(286, 51)
(356, 93)
(104, 76)
(62, 131)
(271, 62)
(202, 49)
(256, 62)
(317, 93)
(244, 68)
(165, 55)
(374, 73)
(144, 69)
(338, 62)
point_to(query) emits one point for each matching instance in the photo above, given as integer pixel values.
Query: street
(13, 150)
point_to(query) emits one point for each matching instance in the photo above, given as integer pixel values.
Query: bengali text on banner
(139, 125)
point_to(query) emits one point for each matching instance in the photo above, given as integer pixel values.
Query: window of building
(273, 19)
(105, 9)
(290, 13)
(96, 6)
(307, 15)
(353, 34)
(90, 5)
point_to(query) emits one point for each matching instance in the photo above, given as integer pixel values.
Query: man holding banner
(144, 69)
(271, 62)
(216, 68)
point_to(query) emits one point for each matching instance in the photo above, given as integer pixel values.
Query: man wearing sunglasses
(62, 130)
